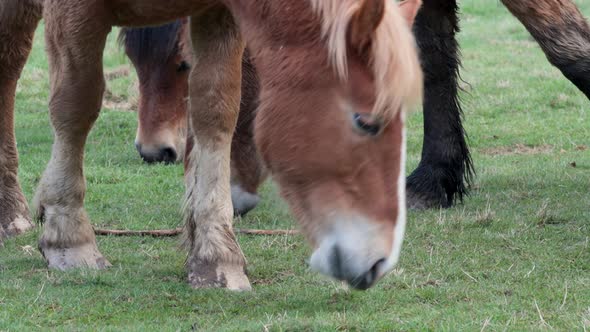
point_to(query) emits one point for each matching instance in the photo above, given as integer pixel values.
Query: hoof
(427, 188)
(19, 225)
(432, 187)
(242, 200)
(82, 256)
(219, 275)
(422, 201)
(14, 211)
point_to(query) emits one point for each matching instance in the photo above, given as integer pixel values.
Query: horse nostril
(348, 267)
(145, 157)
(366, 280)
(374, 271)
(168, 155)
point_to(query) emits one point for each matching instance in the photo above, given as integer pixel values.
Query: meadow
(515, 255)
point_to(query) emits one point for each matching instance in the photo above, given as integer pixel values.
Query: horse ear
(409, 9)
(364, 23)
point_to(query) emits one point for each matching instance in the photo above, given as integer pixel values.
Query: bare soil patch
(518, 149)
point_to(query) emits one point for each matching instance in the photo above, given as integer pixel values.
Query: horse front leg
(75, 38)
(247, 169)
(446, 165)
(215, 258)
(563, 34)
(18, 21)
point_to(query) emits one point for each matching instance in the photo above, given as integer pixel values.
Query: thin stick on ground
(39, 295)
(266, 231)
(564, 297)
(543, 322)
(178, 231)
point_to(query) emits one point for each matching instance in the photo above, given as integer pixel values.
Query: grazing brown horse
(446, 168)
(332, 203)
(162, 58)
(335, 80)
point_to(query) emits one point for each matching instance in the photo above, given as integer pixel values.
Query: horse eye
(183, 66)
(366, 125)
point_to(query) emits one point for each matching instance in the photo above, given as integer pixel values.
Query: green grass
(514, 256)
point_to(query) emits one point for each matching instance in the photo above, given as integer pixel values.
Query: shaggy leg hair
(446, 168)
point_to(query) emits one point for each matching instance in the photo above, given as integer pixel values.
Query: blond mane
(394, 56)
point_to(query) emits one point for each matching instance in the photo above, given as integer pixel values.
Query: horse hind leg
(18, 20)
(445, 169)
(215, 258)
(247, 169)
(563, 34)
(77, 84)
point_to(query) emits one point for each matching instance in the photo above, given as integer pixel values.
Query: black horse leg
(446, 168)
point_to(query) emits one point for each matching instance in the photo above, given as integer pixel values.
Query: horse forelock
(393, 55)
(152, 44)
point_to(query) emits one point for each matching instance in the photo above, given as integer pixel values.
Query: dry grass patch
(517, 149)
